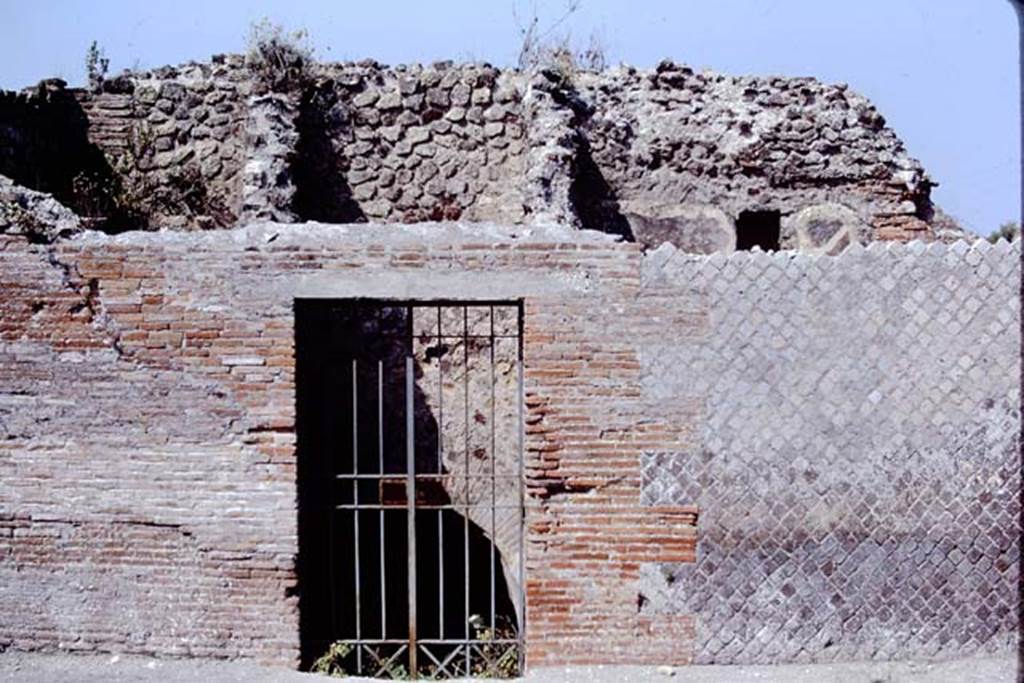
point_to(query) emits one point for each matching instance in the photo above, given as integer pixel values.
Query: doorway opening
(409, 421)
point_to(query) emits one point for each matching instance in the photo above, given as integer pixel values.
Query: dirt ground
(67, 668)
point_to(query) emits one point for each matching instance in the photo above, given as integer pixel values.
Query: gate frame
(412, 644)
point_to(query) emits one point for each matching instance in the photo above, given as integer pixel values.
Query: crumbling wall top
(649, 154)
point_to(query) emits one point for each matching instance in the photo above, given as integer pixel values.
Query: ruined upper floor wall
(672, 136)
(172, 138)
(661, 154)
(412, 144)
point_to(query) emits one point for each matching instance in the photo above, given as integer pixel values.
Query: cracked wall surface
(148, 415)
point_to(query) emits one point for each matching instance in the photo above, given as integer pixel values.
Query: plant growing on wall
(122, 195)
(279, 60)
(129, 195)
(1008, 231)
(497, 659)
(544, 47)
(96, 66)
(332, 662)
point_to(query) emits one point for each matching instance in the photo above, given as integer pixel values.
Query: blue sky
(944, 72)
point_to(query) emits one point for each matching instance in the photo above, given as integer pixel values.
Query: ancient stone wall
(182, 127)
(412, 144)
(857, 463)
(157, 149)
(671, 137)
(653, 155)
(832, 470)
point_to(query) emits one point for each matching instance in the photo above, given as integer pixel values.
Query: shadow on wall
(44, 145)
(321, 190)
(329, 336)
(593, 198)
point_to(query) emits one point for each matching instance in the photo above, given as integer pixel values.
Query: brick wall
(147, 451)
(149, 401)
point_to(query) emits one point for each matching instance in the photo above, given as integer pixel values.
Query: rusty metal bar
(455, 337)
(450, 506)
(331, 554)
(429, 476)
(410, 466)
(426, 641)
(463, 653)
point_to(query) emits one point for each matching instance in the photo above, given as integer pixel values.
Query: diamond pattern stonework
(858, 471)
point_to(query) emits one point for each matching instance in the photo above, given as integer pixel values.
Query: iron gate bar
(384, 665)
(447, 660)
(355, 513)
(410, 464)
(488, 654)
(459, 337)
(441, 667)
(380, 465)
(440, 469)
(435, 641)
(398, 476)
(465, 457)
(494, 457)
(521, 402)
(450, 506)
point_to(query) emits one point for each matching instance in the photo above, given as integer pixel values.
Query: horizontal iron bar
(384, 302)
(402, 476)
(425, 335)
(428, 641)
(452, 506)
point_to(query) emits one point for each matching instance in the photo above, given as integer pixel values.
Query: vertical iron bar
(494, 457)
(465, 557)
(440, 396)
(380, 466)
(521, 636)
(410, 493)
(331, 531)
(440, 574)
(440, 470)
(355, 510)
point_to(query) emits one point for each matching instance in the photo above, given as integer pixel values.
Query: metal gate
(426, 513)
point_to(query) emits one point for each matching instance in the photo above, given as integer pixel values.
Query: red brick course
(147, 496)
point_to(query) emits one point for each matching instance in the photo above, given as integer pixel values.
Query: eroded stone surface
(36, 215)
(414, 143)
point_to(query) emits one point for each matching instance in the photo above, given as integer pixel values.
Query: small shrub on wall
(279, 60)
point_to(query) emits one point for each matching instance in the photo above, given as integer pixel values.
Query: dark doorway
(758, 229)
(400, 411)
